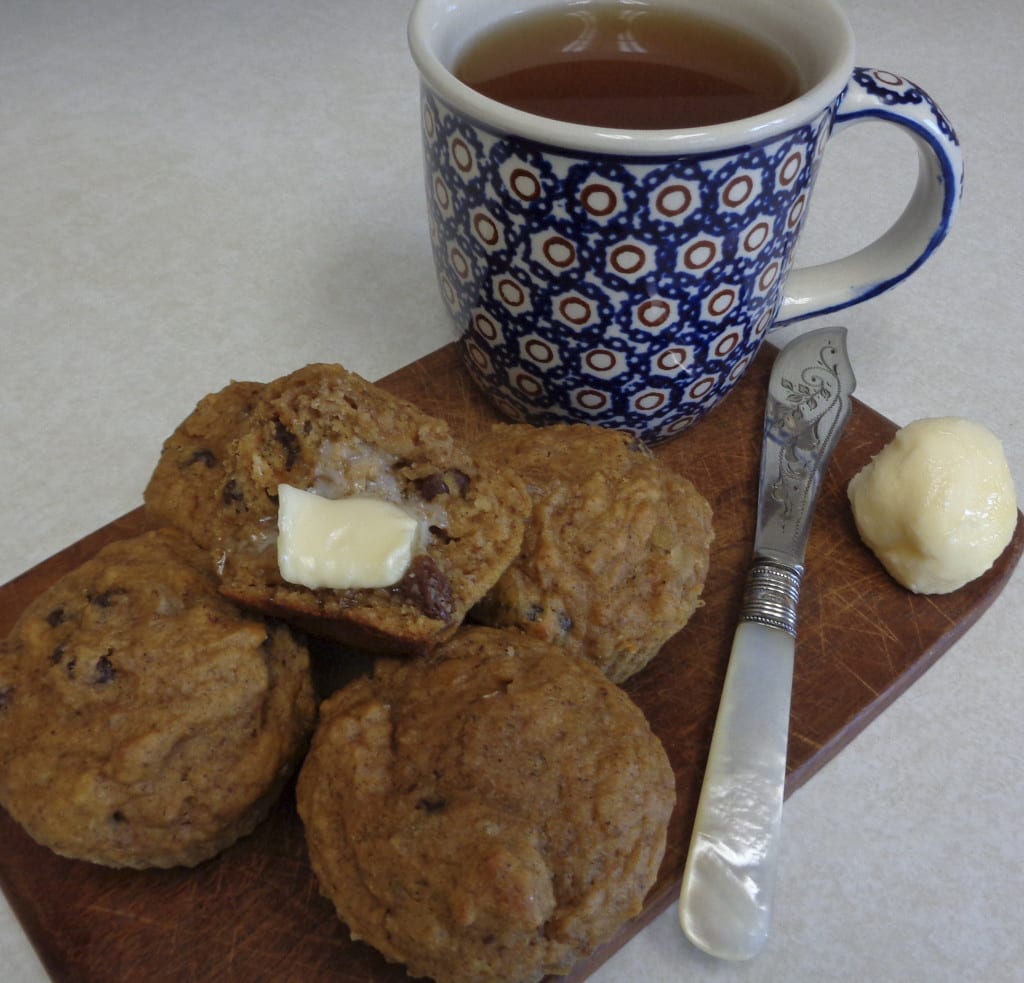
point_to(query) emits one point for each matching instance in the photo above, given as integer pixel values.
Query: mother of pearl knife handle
(726, 899)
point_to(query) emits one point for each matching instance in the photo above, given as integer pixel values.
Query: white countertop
(196, 191)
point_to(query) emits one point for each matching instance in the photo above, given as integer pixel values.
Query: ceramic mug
(628, 277)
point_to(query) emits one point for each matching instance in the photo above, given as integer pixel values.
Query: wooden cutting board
(254, 913)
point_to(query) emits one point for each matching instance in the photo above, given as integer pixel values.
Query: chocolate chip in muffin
(231, 493)
(202, 456)
(55, 617)
(447, 483)
(441, 535)
(104, 671)
(426, 586)
(290, 443)
(105, 598)
(431, 486)
(432, 805)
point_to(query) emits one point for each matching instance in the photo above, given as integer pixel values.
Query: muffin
(326, 431)
(144, 720)
(184, 489)
(616, 549)
(490, 812)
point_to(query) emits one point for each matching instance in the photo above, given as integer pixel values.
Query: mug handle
(873, 94)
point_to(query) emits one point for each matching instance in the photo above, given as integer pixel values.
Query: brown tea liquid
(627, 66)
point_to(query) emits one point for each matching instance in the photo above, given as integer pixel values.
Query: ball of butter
(937, 505)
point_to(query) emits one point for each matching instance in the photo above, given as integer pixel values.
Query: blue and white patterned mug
(628, 277)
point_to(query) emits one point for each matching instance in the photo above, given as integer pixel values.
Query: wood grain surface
(254, 913)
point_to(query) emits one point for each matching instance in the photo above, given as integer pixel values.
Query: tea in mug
(627, 66)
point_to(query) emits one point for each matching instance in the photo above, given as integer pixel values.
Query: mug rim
(425, 22)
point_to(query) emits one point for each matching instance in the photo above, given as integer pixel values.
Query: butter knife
(725, 902)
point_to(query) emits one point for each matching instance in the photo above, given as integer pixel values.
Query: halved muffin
(325, 430)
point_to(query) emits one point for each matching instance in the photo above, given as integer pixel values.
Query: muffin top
(490, 812)
(144, 719)
(616, 549)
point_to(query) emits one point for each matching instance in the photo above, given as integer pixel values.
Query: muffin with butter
(358, 517)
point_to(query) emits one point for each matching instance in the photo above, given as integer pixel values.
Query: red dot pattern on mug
(633, 293)
(574, 310)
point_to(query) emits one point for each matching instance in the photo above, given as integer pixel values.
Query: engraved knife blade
(728, 882)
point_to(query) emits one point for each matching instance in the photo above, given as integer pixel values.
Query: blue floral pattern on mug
(634, 291)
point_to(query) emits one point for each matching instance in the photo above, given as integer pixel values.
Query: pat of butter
(341, 543)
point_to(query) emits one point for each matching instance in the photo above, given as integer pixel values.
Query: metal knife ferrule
(771, 594)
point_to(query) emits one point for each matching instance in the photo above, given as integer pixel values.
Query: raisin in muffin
(326, 430)
(490, 812)
(616, 550)
(184, 489)
(144, 720)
